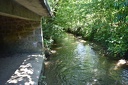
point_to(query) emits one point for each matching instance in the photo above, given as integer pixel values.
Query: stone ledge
(20, 69)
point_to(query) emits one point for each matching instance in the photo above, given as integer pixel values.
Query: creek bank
(77, 62)
(121, 62)
(78, 33)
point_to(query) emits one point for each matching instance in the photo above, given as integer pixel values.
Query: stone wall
(20, 35)
(21, 41)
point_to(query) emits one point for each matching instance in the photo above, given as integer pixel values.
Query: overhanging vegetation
(103, 21)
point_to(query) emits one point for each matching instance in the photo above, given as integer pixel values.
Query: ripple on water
(79, 64)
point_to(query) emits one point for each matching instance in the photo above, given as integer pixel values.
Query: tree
(103, 21)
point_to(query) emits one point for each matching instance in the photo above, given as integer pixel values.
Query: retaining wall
(20, 35)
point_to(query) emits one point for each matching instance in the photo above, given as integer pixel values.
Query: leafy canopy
(104, 21)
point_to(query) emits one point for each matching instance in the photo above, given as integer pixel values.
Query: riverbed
(79, 62)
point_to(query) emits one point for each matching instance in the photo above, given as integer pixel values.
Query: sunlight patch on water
(85, 53)
(76, 63)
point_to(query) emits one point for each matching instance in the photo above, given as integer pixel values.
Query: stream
(79, 62)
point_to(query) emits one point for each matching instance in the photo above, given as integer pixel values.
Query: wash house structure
(21, 41)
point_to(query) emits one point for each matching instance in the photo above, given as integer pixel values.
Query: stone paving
(20, 69)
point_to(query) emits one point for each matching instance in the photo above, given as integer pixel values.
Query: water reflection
(125, 77)
(80, 52)
(79, 64)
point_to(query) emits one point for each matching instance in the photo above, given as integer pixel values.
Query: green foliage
(111, 29)
(51, 32)
(104, 21)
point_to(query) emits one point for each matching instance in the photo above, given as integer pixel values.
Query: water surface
(77, 62)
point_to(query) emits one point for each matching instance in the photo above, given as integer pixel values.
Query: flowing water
(77, 62)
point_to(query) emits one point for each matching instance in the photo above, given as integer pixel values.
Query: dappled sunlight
(82, 64)
(83, 41)
(47, 64)
(22, 74)
(53, 51)
(25, 72)
(93, 82)
(120, 63)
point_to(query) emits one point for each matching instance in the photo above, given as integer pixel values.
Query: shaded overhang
(25, 9)
(40, 7)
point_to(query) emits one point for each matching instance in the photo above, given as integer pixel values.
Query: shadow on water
(76, 63)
